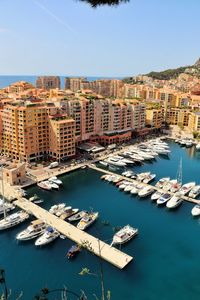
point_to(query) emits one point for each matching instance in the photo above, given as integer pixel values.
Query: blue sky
(66, 37)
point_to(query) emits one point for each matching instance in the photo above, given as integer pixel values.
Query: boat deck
(91, 243)
(185, 198)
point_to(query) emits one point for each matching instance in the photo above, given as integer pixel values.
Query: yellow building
(194, 121)
(177, 116)
(154, 117)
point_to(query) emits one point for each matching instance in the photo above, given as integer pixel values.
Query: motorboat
(47, 237)
(128, 173)
(169, 184)
(115, 162)
(55, 180)
(35, 229)
(53, 185)
(124, 184)
(146, 191)
(128, 188)
(124, 235)
(149, 178)
(175, 187)
(195, 191)
(103, 177)
(5, 206)
(45, 185)
(175, 201)
(73, 251)
(117, 179)
(13, 219)
(156, 195)
(103, 163)
(142, 176)
(57, 208)
(78, 216)
(34, 198)
(196, 210)
(186, 188)
(68, 212)
(162, 181)
(198, 146)
(163, 199)
(135, 190)
(87, 220)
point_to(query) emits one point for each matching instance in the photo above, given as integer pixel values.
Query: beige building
(155, 117)
(178, 116)
(194, 121)
(14, 174)
(48, 82)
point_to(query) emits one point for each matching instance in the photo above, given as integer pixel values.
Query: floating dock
(112, 255)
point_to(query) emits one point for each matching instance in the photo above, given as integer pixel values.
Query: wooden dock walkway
(185, 198)
(93, 244)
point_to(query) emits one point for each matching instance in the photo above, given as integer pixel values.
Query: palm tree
(95, 3)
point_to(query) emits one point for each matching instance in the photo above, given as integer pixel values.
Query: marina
(84, 189)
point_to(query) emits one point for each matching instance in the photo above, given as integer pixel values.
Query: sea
(166, 262)
(7, 80)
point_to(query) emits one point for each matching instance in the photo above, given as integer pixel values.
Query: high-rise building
(48, 82)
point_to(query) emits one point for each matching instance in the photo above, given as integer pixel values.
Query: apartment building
(74, 84)
(154, 117)
(194, 121)
(178, 116)
(48, 82)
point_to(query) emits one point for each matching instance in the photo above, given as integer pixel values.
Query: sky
(67, 37)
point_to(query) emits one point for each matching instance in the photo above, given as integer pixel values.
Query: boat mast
(180, 172)
(2, 190)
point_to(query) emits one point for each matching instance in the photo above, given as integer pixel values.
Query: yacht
(35, 229)
(196, 210)
(5, 206)
(142, 176)
(87, 220)
(45, 185)
(103, 177)
(115, 162)
(124, 235)
(124, 184)
(162, 181)
(34, 198)
(117, 179)
(135, 190)
(13, 220)
(169, 184)
(55, 180)
(146, 191)
(163, 199)
(128, 188)
(78, 216)
(186, 188)
(156, 195)
(195, 191)
(57, 208)
(103, 163)
(48, 236)
(68, 212)
(53, 185)
(175, 201)
(149, 178)
(175, 187)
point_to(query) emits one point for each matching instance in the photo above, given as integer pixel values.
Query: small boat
(117, 179)
(78, 216)
(48, 236)
(35, 229)
(57, 207)
(135, 190)
(123, 185)
(142, 176)
(163, 199)
(186, 188)
(196, 210)
(73, 251)
(175, 201)
(170, 184)
(198, 146)
(128, 188)
(45, 185)
(5, 206)
(53, 185)
(149, 178)
(87, 220)
(162, 181)
(146, 191)
(195, 191)
(103, 177)
(68, 212)
(55, 180)
(175, 187)
(156, 195)
(124, 235)
(13, 220)
(103, 163)
(34, 198)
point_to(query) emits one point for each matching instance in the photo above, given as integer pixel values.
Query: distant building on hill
(48, 82)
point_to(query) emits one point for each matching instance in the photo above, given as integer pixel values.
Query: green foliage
(167, 74)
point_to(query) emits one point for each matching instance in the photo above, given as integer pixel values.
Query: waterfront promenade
(93, 244)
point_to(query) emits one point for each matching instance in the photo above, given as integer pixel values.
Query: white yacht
(68, 212)
(169, 184)
(196, 210)
(135, 190)
(175, 187)
(128, 188)
(48, 236)
(53, 185)
(124, 235)
(186, 188)
(115, 162)
(156, 195)
(164, 198)
(142, 176)
(35, 229)
(175, 201)
(78, 216)
(162, 181)
(146, 191)
(55, 180)
(195, 191)
(13, 220)
(57, 208)
(5, 206)
(87, 220)
(124, 184)
(149, 178)
(103, 163)
(45, 185)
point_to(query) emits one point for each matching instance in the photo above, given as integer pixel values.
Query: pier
(112, 255)
(185, 198)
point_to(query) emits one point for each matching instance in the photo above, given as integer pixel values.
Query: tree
(95, 3)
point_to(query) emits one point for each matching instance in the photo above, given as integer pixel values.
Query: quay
(112, 255)
(185, 198)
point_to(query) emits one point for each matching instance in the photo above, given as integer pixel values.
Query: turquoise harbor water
(166, 252)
